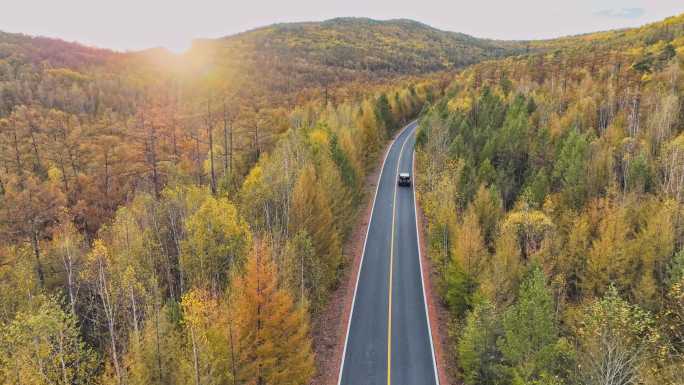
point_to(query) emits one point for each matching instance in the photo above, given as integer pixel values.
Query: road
(388, 338)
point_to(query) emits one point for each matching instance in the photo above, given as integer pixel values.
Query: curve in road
(388, 334)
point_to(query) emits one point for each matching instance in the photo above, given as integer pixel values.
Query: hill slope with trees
(175, 219)
(170, 219)
(356, 46)
(552, 186)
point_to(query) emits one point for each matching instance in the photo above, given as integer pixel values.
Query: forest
(180, 219)
(174, 219)
(553, 190)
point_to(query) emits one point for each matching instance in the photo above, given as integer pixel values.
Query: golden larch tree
(274, 345)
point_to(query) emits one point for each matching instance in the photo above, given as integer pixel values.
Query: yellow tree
(69, 246)
(572, 259)
(273, 341)
(654, 245)
(502, 274)
(218, 238)
(439, 203)
(468, 258)
(100, 271)
(616, 340)
(155, 354)
(532, 228)
(672, 161)
(609, 260)
(311, 211)
(43, 346)
(206, 361)
(371, 134)
(489, 210)
(469, 248)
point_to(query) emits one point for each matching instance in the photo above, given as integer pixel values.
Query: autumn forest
(182, 218)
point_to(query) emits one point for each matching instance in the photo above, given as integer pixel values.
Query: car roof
(403, 174)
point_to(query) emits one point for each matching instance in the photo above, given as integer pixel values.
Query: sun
(179, 46)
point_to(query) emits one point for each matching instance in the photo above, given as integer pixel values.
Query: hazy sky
(138, 24)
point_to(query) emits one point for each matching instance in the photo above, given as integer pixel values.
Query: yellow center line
(389, 317)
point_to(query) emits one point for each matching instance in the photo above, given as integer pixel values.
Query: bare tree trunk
(634, 114)
(301, 278)
(151, 157)
(68, 262)
(105, 187)
(225, 139)
(36, 252)
(34, 144)
(210, 135)
(154, 162)
(195, 356)
(159, 362)
(17, 151)
(174, 139)
(257, 149)
(65, 378)
(109, 313)
(198, 161)
(260, 379)
(135, 311)
(233, 356)
(70, 153)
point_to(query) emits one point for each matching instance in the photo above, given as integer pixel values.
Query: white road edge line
(363, 253)
(420, 261)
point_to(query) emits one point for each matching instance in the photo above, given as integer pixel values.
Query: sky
(139, 24)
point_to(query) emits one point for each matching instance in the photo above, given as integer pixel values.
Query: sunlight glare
(179, 46)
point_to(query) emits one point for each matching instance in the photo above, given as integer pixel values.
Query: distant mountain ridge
(279, 59)
(362, 44)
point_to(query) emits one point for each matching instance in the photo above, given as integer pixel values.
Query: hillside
(291, 59)
(355, 45)
(667, 30)
(16, 47)
(552, 184)
(138, 189)
(247, 81)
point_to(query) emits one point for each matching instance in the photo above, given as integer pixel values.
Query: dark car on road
(404, 179)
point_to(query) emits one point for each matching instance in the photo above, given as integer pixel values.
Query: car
(404, 179)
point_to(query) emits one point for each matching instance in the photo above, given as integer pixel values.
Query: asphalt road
(379, 348)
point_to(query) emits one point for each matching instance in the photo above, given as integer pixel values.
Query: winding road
(388, 335)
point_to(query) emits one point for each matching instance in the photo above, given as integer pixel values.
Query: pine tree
(503, 273)
(311, 211)
(273, 340)
(478, 355)
(468, 247)
(383, 113)
(489, 210)
(570, 169)
(530, 343)
(609, 260)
